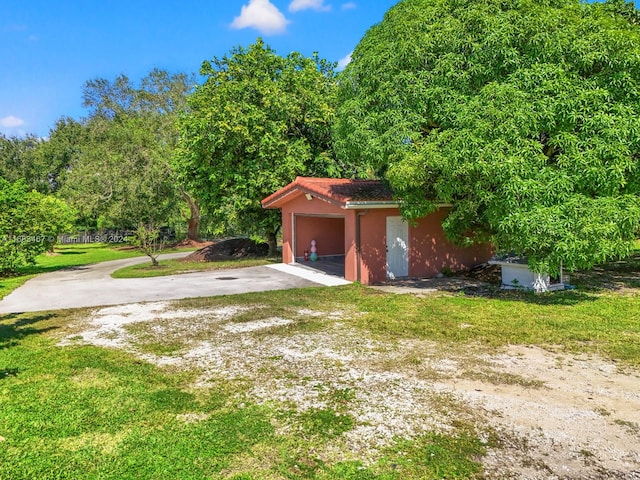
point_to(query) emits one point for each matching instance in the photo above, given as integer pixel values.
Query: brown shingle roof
(340, 191)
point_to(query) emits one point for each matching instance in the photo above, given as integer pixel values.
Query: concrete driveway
(92, 285)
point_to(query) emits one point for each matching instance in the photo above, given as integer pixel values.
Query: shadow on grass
(12, 333)
(489, 287)
(615, 277)
(620, 276)
(564, 297)
(34, 270)
(8, 372)
(38, 269)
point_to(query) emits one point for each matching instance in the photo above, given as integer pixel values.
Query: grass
(70, 256)
(604, 324)
(88, 412)
(81, 254)
(102, 414)
(175, 267)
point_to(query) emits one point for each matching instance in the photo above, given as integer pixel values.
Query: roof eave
(296, 191)
(367, 204)
(364, 204)
(276, 201)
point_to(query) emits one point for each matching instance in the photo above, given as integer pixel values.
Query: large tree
(521, 114)
(117, 180)
(258, 120)
(121, 171)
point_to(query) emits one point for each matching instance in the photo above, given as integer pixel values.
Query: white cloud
(11, 122)
(349, 6)
(261, 15)
(343, 62)
(318, 5)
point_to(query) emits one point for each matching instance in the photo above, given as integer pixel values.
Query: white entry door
(397, 248)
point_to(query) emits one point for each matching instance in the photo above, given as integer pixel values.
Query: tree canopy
(20, 159)
(117, 179)
(120, 171)
(522, 114)
(258, 120)
(30, 223)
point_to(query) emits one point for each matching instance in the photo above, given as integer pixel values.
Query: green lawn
(607, 324)
(80, 411)
(82, 254)
(88, 412)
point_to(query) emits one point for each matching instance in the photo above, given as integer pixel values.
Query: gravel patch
(256, 325)
(558, 417)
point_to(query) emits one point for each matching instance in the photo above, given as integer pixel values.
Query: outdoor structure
(516, 274)
(360, 220)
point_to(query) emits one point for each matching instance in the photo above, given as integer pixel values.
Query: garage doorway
(328, 232)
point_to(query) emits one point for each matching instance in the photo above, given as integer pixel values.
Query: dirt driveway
(557, 416)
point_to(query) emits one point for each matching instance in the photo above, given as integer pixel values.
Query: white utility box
(516, 275)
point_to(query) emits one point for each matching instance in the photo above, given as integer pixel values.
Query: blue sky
(49, 49)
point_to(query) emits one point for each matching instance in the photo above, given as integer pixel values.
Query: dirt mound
(229, 249)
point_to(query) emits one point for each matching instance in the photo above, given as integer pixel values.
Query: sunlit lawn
(89, 412)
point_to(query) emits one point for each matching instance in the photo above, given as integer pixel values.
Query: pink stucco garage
(360, 220)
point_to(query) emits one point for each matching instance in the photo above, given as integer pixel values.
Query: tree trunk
(272, 241)
(193, 221)
(193, 225)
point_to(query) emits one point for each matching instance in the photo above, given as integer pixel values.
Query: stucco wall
(373, 244)
(431, 252)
